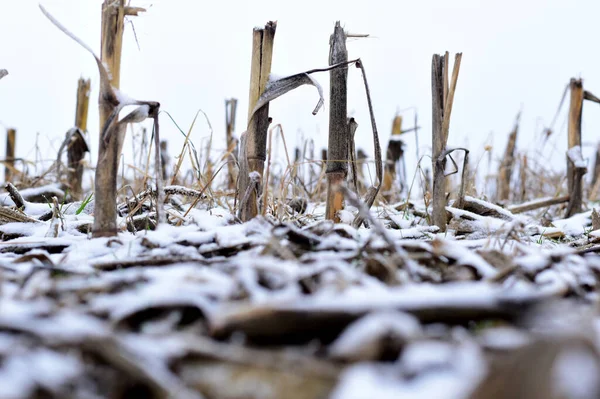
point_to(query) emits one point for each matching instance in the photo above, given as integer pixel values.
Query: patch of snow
(508, 215)
(575, 155)
(455, 373)
(575, 225)
(576, 374)
(345, 216)
(503, 338)
(19, 375)
(360, 337)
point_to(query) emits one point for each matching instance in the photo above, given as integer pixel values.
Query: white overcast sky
(194, 54)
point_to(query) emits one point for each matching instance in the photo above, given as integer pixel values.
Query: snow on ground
(222, 309)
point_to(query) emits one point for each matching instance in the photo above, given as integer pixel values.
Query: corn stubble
(525, 372)
(337, 152)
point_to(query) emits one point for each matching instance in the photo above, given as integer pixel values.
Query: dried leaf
(277, 88)
(107, 93)
(137, 115)
(374, 189)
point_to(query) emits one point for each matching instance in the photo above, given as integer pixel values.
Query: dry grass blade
(106, 91)
(265, 189)
(8, 215)
(183, 148)
(373, 190)
(590, 97)
(352, 126)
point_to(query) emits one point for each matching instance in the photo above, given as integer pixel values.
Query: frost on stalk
(575, 155)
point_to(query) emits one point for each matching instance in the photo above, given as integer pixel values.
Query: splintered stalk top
(575, 112)
(113, 13)
(262, 55)
(83, 102)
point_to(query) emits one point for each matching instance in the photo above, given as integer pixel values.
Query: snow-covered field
(497, 307)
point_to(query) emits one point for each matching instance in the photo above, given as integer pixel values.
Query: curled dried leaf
(277, 88)
(137, 115)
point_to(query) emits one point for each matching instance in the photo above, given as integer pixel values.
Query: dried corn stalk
(112, 135)
(339, 132)
(442, 100)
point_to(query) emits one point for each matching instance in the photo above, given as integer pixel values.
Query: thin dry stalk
(77, 146)
(593, 194)
(574, 183)
(393, 154)
(9, 166)
(265, 189)
(160, 214)
(230, 113)
(183, 149)
(208, 165)
(290, 168)
(506, 167)
(352, 126)
(537, 204)
(258, 122)
(523, 177)
(15, 195)
(147, 175)
(201, 193)
(164, 158)
(337, 154)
